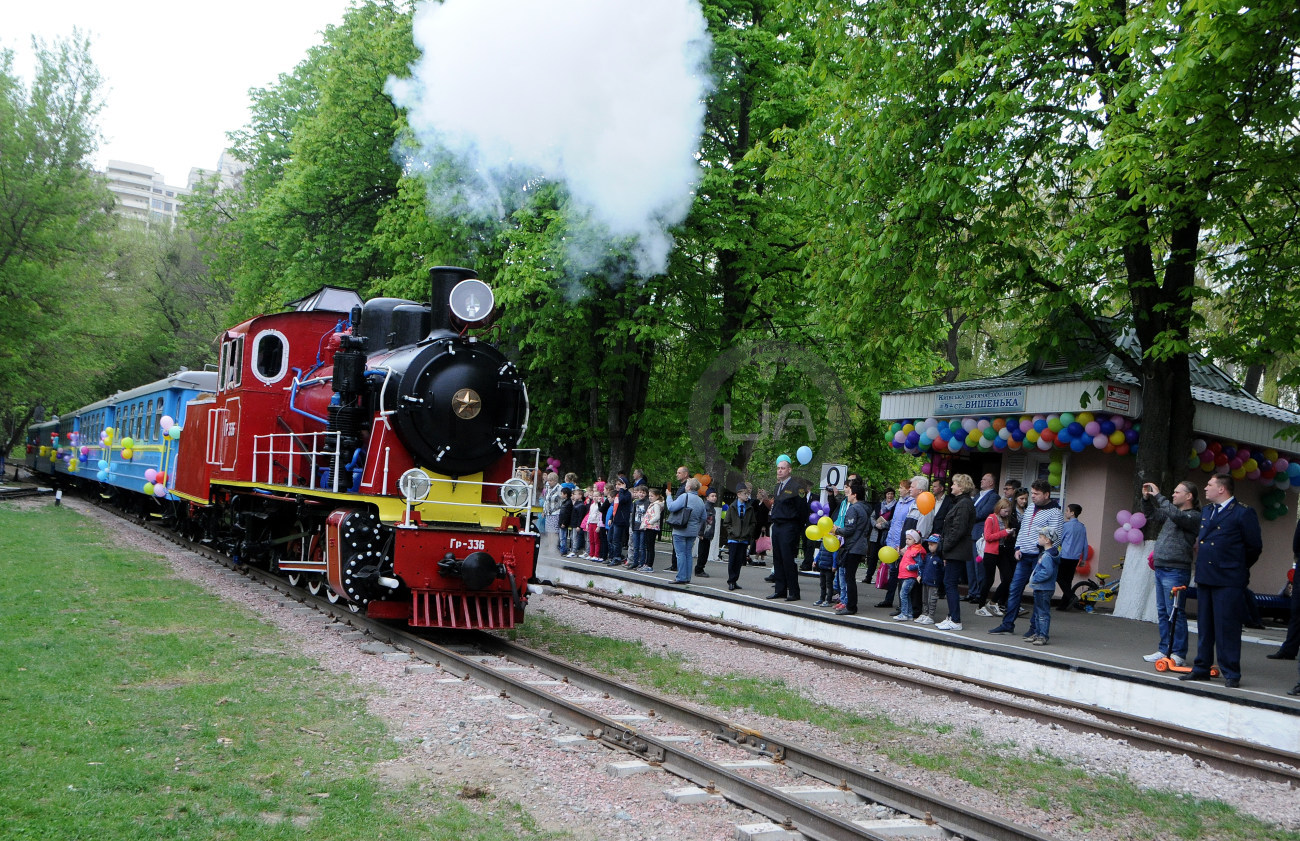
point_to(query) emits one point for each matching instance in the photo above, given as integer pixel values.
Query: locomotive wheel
(315, 584)
(332, 597)
(295, 579)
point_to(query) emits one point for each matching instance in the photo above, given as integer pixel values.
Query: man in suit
(789, 517)
(984, 502)
(1228, 546)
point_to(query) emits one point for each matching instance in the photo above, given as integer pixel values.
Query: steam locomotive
(367, 449)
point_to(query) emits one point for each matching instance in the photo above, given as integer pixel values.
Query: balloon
(825, 524)
(174, 433)
(165, 423)
(1121, 534)
(1124, 516)
(103, 465)
(126, 454)
(1137, 520)
(1135, 536)
(160, 491)
(804, 454)
(887, 554)
(925, 502)
(831, 542)
(1091, 552)
(161, 477)
(812, 533)
(148, 488)
(150, 475)
(102, 475)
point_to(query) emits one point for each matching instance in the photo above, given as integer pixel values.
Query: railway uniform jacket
(1178, 532)
(1229, 544)
(738, 527)
(958, 525)
(791, 505)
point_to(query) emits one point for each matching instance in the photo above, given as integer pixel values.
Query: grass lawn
(1042, 781)
(134, 705)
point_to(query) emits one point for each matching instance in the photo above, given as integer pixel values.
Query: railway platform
(1092, 658)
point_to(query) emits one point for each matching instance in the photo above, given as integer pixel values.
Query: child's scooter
(1167, 664)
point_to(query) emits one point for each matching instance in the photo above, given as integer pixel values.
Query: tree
(1050, 162)
(53, 219)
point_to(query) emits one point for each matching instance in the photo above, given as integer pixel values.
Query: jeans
(564, 541)
(1041, 620)
(617, 539)
(636, 557)
(1024, 567)
(1172, 640)
(905, 597)
(682, 549)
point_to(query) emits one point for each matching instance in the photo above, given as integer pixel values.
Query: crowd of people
(995, 545)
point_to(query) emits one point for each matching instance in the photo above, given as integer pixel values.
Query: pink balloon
(1281, 465)
(150, 475)
(160, 490)
(1121, 534)
(1135, 536)
(1100, 441)
(1124, 517)
(1137, 520)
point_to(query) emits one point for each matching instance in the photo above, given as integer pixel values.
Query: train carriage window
(148, 422)
(270, 356)
(232, 363)
(157, 422)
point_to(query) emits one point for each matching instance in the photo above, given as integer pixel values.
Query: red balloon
(1047, 435)
(1221, 460)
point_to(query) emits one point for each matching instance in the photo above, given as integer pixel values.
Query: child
(606, 517)
(824, 561)
(593, 526)
(708, 527)
(931, 574)
(565, 521)
(636, 556)
(651, 522)
(1043, 580)
(578, 542)
(908, 567)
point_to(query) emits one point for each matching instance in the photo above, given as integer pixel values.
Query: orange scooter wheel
(1162, 665)
(1214, 671)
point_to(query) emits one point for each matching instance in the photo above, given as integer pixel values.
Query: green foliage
(52, 233)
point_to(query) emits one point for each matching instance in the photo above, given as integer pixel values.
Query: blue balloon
(103, 465)
(102, 475)
(804, 454)
(1078, 444)
(1076, 429)
(813, 518)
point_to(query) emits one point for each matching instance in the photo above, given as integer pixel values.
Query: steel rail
(814, 823)
(1226, 754)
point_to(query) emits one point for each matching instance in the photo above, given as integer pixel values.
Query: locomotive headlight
(515, 494)
(472, 301)
(414, 485)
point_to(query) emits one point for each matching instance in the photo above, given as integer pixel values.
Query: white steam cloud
(606, 96)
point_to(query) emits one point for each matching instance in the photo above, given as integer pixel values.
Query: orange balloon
(925, 502)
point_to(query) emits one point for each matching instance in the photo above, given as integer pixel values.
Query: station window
(270, 356)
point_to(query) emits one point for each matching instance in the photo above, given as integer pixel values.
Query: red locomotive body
(369, 449)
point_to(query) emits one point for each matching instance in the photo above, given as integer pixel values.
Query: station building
(1077, 422)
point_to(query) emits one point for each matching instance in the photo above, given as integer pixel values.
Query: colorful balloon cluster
(1264, 466)
(1130, 526)
(1065, 431)
(820, 525)
(938, 467)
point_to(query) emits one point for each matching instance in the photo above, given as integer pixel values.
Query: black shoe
(884, 604)
(845, 612)
(1295, 690)
(805, 567)
(757, 564)
(775, 596)
(770, 579)
(672, 569)
(1231, 682)
(731, 586)
(1280, 655)
(866, 581)
(1195, 676)
(1254, 626)
(703, 574)
(792, 598)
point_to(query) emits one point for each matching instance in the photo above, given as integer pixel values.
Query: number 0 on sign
(833, 475)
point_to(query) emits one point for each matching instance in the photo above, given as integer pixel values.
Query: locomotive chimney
(442, 279)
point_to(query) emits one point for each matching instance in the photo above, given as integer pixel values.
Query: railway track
(1233, 756)
(764, 773)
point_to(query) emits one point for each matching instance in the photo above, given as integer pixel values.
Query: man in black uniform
(790, 511)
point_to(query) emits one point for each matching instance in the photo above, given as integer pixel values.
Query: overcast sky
(176, 73)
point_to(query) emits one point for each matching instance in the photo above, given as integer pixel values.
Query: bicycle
(1088, 594)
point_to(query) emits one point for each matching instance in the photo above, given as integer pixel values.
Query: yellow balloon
(831, 542)
(825, 524)
(126, 454)
(813, 533)
(148, 488)
(128, 442)
(888, 554)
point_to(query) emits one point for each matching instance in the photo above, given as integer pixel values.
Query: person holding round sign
(853, 536)
(789, 515)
